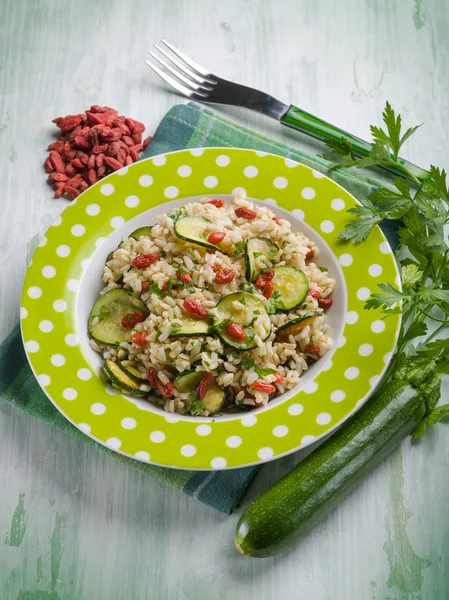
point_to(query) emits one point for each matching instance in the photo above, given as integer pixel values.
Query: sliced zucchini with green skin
(121, 380)
(295, 326)
(188, 382)
(110, 308)
(196, 231)
(293, 285)
(189, 327)
(256, 246)
(119, 279)
(132, 372)
(141, 231)
(225, 310)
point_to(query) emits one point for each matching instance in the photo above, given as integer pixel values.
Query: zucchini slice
(132, 372)
(295, 326)
(121, 380)
(226, 310)
(195, 230)
(119, 279)
(141, 231)
(254, 247)
(189, 380)
(292, 287)
(110, 308)
(189, 327)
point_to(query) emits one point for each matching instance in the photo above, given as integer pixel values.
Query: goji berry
(48, 166)
(164, 287)
(152, 376)
(264, 278)
(194, 309)
(277, 220)
(204, 385)
(186, 278)
(310, 254)
(145, 286)
(139, 338)
(312, 348)
(245, 213)
(217, 202)
(130, 320)
(278, 378)
(216, 237)
(261, 386)
(225, 276)
(325, 302)
(113, 163)
(145, 260)
(210, 251)
(216, 268)
(235, 331)
(314, 293)
(165, 390)
(268, 290)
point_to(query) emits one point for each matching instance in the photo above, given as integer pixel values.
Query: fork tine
(187, 60)
(190, 84)
(178, 86)
(184, 68)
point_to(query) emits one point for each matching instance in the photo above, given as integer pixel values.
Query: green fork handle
(314, 127)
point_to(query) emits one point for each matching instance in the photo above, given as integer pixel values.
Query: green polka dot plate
(64, 279)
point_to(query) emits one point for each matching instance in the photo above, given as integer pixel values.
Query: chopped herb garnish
(139, 271)
(304, 306)
(175, 215)
(239, 248)
(263, 372)
(287, 244)
(248, 363)
(274, 303)
(162, 253)
(235, 355)
(175, 326)
(158, 331)
(272, 253)
(248, 287)
(153, 288)
(219, 326)
(253, 320)
(256, 254)
(196, 405)
(323, 269)
(175, 282)
(242, 301)
(256, 312)
(249, 334)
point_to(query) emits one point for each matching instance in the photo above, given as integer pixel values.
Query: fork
(195, 82)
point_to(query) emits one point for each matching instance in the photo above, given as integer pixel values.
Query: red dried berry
(268, 290)
(217, 202)
(216, 268)
(312, 348)
(245, 213)
(145, 286)
(145, 260)
(164, 287)
(310, 254)
(216, 237)
(76, 162)
(139, 338)
(277, 220)
(314, 293)
(204, 385)
(146, 141)
(225, 275)
(278, 378)
(48, 166)
(261, 386)
(71, 191)
(128, 140)
(325, 302)
(264, 278)
(57, 162)
(130, 320)
(186, 278)
(195, 309)
(113, 163)
(100, 149)
(165, 390)
(235, 331)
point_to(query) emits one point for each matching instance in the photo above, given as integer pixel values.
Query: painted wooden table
(78, 525)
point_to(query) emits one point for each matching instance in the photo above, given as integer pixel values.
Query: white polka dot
(99, 242)
(338, 396)
(84, 427)
(295, 409)
(239, 190)
(107, 189)
(280, 431)
(197, 151)
(352, 317)
(223, 160)
(218, 462)
(111, 391)
(352, 373)
(204, 430)
(145, 180)
(327, 366)
(378, 326)
(234, 441)
(70, 394)
(280, 183)
(365, 350)
(250, 171)
(374, 380)
(71, 339)
(73, 285)
(44, 380)
(323, 418)
(23, 312)
(385, 248)
(129, 423)
(249, 420)
(60, 305)
(261, 153)
(270, 201)
(375, 270)
(63, 250)
(78, 230)
(34, 292)
(265, 453)
(311, 387)
(346, 260)
(43, 241)
(307, 439)
(117, 222)
(338, 204)
(188, 450)
(327, 226)
(308, 193)
(122, 171)
(58, 360)
(92, 210)
(113, 443)
(132, 201)
(317, 174)
(210, 181)
(57, 222)
(46, 326)
(31, 346)
(387, 357)
(142, 455)
(84, 374)
(157, 436)
(85, 263)
(291, 164)
(341, 341)
(171, 418)
(298, 213)
(98, 408)
(184, 171)
(160, 160)
(171, 191)
(48, 271)
(363, 293)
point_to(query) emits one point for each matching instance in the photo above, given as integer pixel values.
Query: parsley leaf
(272, 253)
(248, 363)
(176, 214)
(256, 254)
(239, 248)
(248, 287)
(242, 301)
(386, 300)
(153, 288)
(410, 275)
(287, 244)
(219, 326)
(196, 405)
(263, 372)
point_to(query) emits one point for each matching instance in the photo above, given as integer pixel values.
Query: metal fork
(196, 82)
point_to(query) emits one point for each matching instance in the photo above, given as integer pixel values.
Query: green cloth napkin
(184, 126)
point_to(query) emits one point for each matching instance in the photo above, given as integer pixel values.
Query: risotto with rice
(216, 307)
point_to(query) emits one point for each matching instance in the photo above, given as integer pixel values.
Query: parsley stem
(437, 330)
(430, 316)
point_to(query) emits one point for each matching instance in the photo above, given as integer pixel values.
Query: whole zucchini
(296, 503)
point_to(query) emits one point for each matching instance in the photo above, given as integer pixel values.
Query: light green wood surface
(77, 525)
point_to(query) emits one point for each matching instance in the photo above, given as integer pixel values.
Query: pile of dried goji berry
(91, 146)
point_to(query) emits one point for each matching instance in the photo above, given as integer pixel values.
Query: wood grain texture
(75, 524)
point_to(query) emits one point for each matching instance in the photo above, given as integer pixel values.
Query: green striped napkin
(184, 126)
